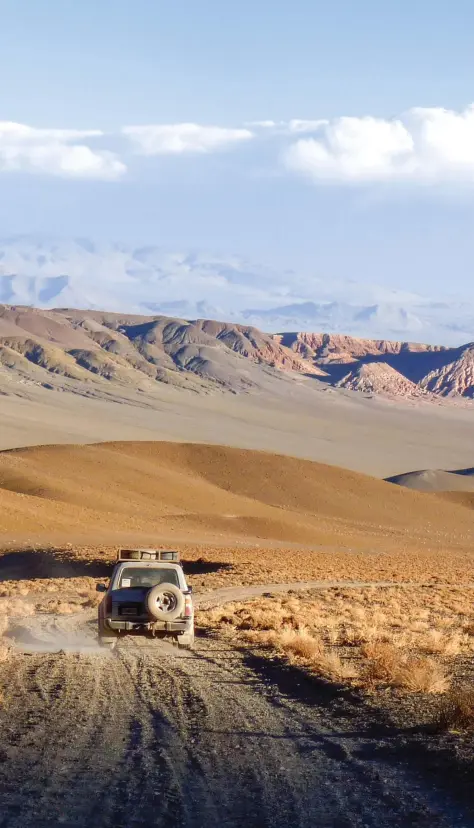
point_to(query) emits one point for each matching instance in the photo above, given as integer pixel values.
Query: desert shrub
(382, 661)
(299, 643)
(457, 709)
(333, 667)
(443, 643)
(423, 675)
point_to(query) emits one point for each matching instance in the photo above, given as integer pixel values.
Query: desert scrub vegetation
(76, 602)
(76, 585)
(406, 638)
(457, 708)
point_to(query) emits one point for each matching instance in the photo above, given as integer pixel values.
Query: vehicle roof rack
(148, 555)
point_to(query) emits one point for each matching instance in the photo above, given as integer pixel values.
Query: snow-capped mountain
(80, 273)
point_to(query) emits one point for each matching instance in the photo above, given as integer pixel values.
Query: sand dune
(461, 498)
(436, 480)
(190, 492)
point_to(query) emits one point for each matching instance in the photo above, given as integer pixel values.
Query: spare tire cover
(165, 602)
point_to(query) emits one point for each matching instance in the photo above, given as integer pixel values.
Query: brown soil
(187, 493)
(461, 498)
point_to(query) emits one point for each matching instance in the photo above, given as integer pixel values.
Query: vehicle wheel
(186, 641)
(165, 602)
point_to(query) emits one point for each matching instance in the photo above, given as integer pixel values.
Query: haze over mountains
(381, 405)
(148, 280)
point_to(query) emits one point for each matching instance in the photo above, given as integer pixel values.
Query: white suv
(147, 594)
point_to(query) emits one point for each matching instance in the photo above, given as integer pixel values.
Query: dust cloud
(46, 634)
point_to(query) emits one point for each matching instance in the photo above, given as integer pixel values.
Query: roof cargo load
(148, 555)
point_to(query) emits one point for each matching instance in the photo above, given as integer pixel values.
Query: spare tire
(165, 602)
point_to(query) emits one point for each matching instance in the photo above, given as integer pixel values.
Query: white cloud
(422, 145)
(176, 139)
(60, 152)
(265, 124)
(296, 125)
(301, 125)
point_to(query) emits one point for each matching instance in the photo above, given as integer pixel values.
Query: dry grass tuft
(422, 675)
(469, 627)
(407, 638)
(333, 667)
(299, 643)
(445, 643)
(301, 646)
(382, 661)
(457, 709)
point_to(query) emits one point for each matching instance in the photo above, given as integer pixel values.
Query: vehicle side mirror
(101, 588)
(190, 589)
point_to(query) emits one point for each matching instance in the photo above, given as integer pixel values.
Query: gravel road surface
(152, 736)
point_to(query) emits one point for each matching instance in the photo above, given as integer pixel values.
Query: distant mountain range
(103, 354)
(149, 280)
(387, 368)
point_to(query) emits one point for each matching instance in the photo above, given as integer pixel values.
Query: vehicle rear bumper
(177, 626)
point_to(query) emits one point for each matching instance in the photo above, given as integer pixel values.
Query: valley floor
(301, 418)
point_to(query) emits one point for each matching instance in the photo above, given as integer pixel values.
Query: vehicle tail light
(188, 606)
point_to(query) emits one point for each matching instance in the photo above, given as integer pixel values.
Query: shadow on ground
(443, 759)
(203, 567)
(30, 564)
(300, 686)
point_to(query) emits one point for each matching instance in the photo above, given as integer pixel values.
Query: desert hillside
(436, 480)
(197, 493)
(97, 354)
(69, 349)
(389, 368)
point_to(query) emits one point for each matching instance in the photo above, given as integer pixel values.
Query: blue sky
(377, 184)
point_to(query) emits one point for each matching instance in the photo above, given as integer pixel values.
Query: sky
(333, 137)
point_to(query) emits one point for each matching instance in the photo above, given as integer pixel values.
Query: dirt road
(151, 736)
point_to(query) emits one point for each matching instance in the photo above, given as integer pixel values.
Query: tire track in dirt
(65, 747)
(225, 595)
(150, 735)
(158, 680)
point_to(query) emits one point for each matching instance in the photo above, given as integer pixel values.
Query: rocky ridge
(61, 348)
(409, 368)
(381, 378)
(82, 351)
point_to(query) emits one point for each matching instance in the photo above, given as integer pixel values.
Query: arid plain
(330, 601)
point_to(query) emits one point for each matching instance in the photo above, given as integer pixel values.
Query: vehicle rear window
(146, 578)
